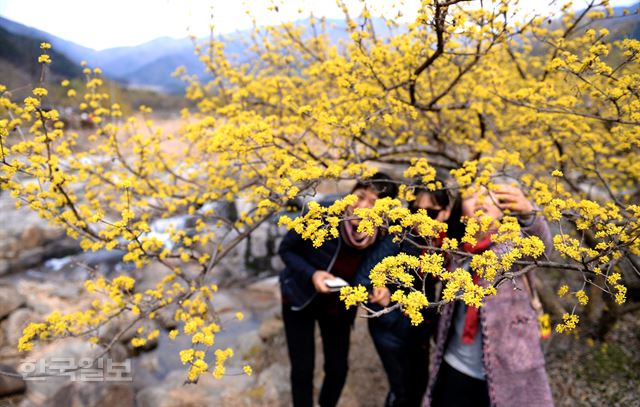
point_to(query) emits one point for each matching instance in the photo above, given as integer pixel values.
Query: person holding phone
(308, 286)
(491, 356)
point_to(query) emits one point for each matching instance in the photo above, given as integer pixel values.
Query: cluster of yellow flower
(569, 323)
(482, 102)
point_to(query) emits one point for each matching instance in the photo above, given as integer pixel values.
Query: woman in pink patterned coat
(492, 356)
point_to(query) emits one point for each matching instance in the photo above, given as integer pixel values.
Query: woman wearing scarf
(491, 356)
(306, 299)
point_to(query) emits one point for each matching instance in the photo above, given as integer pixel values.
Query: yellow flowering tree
(476, 88)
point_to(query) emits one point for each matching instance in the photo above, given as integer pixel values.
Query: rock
(53, 233)
(166, 317)
(275, 386)
(265, 294)
(11, 300)
(118, 352)
(8, 383)
(224, 302)
(270, 328)
(38, 255)
(148, 325)
(175, 379)
(148, 277)
(258, 241)
(69, 291)
(61, 355)
(4, 267)
(17, 321)
(174, 393)
(40, 298)
(276, 263)
(96, 394)
(219, 209)
(3, 334)
(9, 245)
(147, 369)
(32, 237)
(270, 285)
(247, 346)
(151, 397)
(232, 390)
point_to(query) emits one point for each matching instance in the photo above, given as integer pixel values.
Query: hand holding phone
(318, 278)
(335, 284)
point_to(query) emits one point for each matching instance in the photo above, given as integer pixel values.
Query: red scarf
(471, 317)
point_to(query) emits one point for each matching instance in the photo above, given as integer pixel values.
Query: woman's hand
(380, 295)
(512, 198)
(318, 281)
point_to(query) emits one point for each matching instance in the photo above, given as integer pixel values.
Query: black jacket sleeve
(291, 249)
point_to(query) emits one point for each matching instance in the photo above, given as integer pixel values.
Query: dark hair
(441, 196)
(381, 183)
(455, 227)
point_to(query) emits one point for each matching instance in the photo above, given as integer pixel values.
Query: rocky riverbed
(42, 271)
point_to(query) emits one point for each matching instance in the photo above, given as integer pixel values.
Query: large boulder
(11, 300)
(41, 297)
(32, 237)
(149, 276)
(4, 267)
(121, 323)
(234, 389)
(270, 329)
(276, 263)
(246, 347)
(270, 285)
(274, 386)
(87, 394)
(224, 302)
(17, 321)
(58, 356)
(166, 317)
(175, 393)
(264, 297)
(9, 245)
(10, 381)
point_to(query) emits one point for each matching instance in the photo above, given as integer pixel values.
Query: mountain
(72, 50)
(150, 65)
(19, 56)
(157, 73)
(158, 57)
(623, 26)
(122, 61)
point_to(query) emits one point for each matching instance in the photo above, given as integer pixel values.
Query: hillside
(21, 53)
(149, 65)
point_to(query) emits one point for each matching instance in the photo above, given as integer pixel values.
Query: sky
(101, 24)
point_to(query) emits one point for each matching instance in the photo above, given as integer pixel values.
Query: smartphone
(335, 284)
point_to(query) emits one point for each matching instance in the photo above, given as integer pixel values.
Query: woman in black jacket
(402, 347)
(306, 298)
